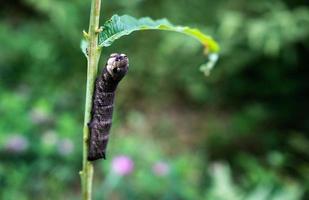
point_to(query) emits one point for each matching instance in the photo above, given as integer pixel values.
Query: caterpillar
(103, 103)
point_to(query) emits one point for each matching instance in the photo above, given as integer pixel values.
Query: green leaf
(207, 67)
(84, 46)
(119, 26)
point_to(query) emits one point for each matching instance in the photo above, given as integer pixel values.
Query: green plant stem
(92, 68)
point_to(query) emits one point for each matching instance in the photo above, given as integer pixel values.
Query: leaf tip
(208, 66)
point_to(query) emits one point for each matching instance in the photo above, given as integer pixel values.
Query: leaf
(83, 46)
(119, 26)
(207, 67)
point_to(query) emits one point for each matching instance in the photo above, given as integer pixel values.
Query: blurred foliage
(241, 133)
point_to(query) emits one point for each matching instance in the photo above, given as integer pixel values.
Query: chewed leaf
(119, 26)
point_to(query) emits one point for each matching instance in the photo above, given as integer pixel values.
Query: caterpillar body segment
(103, 104)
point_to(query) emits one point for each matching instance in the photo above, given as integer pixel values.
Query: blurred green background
(241, 133)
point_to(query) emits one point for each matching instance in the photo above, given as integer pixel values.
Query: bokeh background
(241, 133)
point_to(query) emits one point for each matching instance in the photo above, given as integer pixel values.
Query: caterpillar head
(117, 65)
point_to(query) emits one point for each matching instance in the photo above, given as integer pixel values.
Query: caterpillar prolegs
(103, 104)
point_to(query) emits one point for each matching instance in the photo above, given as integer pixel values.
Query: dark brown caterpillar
(103, 103)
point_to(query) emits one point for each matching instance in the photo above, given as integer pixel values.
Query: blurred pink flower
(39, 116)
(65, 147)
(160, 168)
(49, 138)
(17, 143)
(122, 165)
